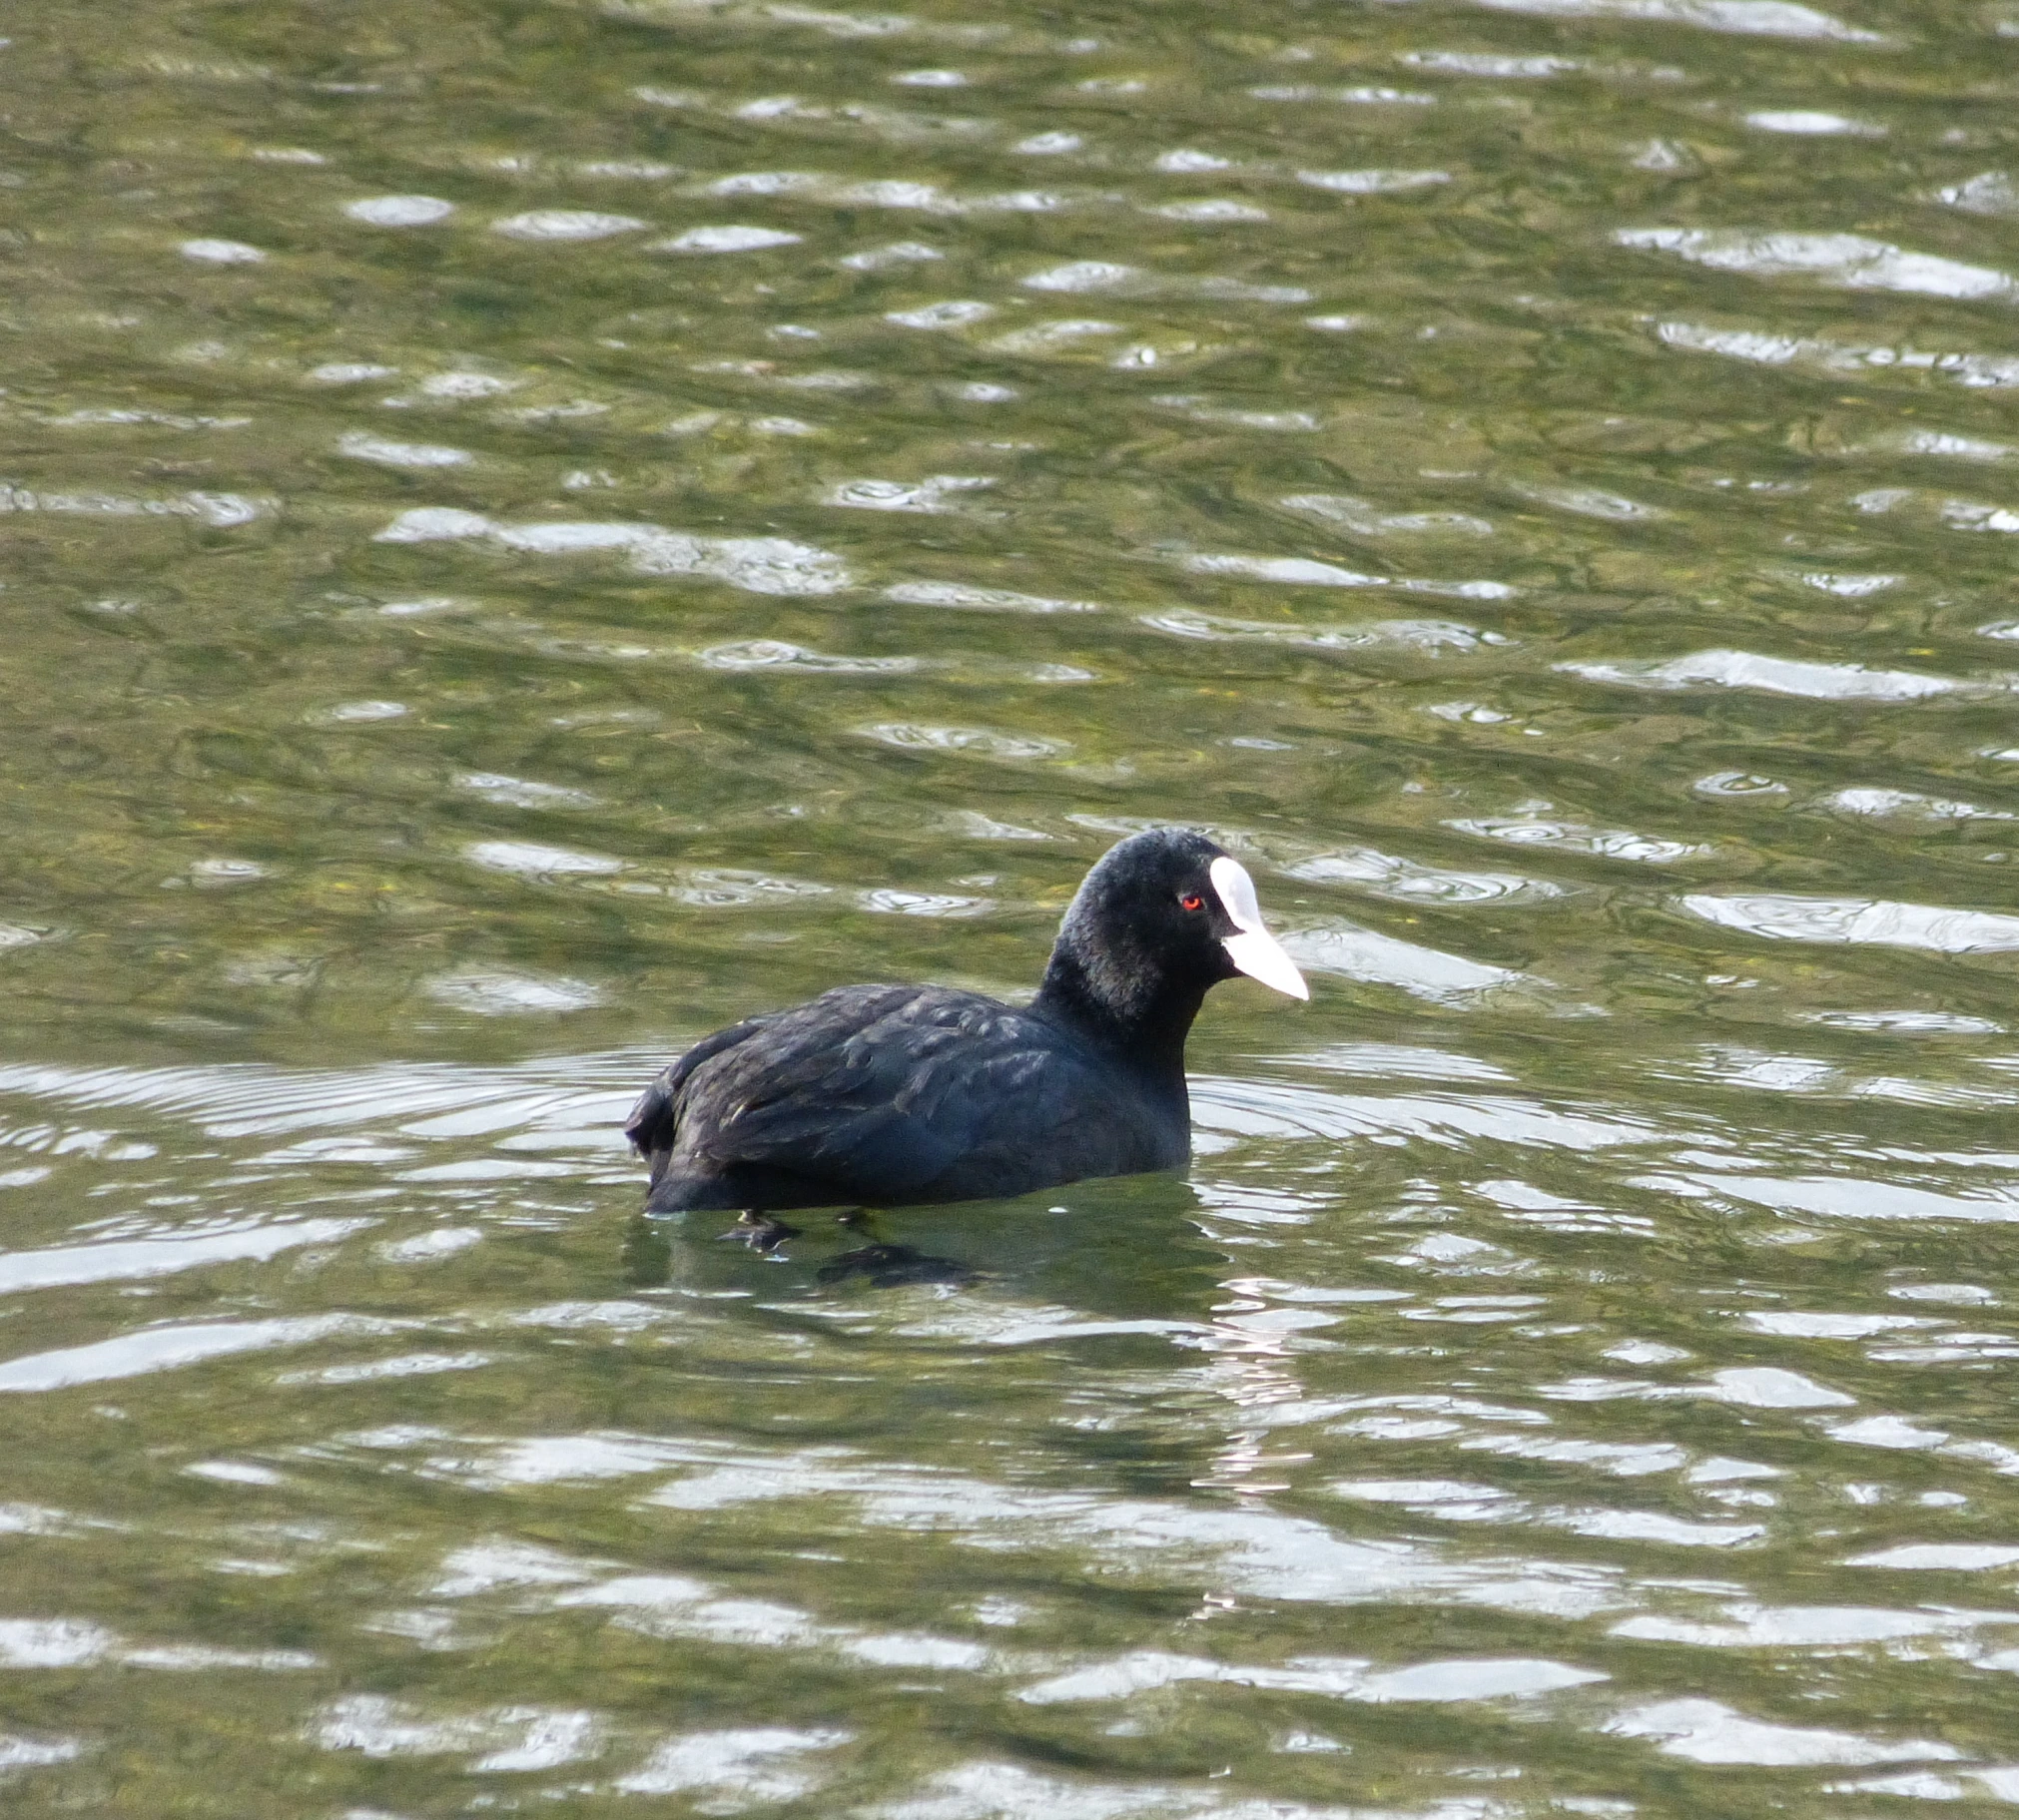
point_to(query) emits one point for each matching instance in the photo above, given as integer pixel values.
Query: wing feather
(889, 1093)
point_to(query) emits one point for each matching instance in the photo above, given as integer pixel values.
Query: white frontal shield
(1251, 947)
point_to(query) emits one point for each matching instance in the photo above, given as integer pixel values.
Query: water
(535, 532)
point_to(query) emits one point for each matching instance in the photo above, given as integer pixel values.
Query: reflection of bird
(887, 1096)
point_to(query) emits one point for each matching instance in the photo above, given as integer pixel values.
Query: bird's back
(882, 1095)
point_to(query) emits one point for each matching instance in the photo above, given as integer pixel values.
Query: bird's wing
(655, 1124)
(882, 1091)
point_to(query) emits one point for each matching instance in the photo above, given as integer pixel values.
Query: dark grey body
(893, 1096)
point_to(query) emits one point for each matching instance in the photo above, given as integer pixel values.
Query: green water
(533, 531)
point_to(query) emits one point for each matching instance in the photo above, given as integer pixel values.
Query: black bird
(888, 1096)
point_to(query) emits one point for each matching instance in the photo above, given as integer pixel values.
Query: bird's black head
(1164, 916)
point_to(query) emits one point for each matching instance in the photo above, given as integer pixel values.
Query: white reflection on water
(1354, 953)
(461, 385)
(530, 860)
(1454, 1501)
(1531, 828)
(1939, 1558)
(1047, 144)
(513, 1739)
(361, 714)
(18, 1753)
(896, 254)
(931, 495)
(1054, 338)
(1704, 1731)
(403, 1364)
(1374, 182)
(1748, 18)
(980, 742)
(566, 225)
(62, 1643)
(1972, 516)
(1847, 260)
(1993, 193)
(981, 600)
(1813, 122)
(486, 1567)
(1390, 1061)
(1258, 1551)
(361, 445)
(222, 252)
(1769, 1387)
(1368, 520)
(1210, 208)
(1746, 1624)
(986, 1789)
(1806, 1325)
(760, 1764)
(162, 1349)
(1428, 635)
(1869, 801)
(726, 239)
(40, 1519)
(1091, 274)
(1860, 920)
(1363, 97)
(1098, 275)
(400, 210)
(1203, 410)
(954, 314)
(972, 825)
(1409, 881)
(112, 414)
(1590, 503)
(1768, 349)
(138, 1259)
(523, 792)
(887, 900)
(1849, 1197)
(1491, 1679)
(222, 511)
(768, 654)
(1774, 674)
(758, 565)
(670, 1605)
(1289, 1110)
(577, 1094)
(1491, 63)
(351, 373)
(1950, 445)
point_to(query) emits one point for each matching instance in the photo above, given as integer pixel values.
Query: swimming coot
(883, 1095)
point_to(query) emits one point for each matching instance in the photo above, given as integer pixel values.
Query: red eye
(1192, 900)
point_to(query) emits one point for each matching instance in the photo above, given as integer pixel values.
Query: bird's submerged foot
(894, 1267)
(761, 1232)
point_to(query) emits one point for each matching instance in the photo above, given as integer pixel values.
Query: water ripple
(1847, 260)
(1750, 17)
(1860, 920)
(1774, 674)
(161, 1349)
(758, 565)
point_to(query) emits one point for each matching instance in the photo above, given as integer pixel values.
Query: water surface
(531, 532)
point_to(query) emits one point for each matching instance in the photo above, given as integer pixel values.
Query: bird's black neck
(1138, 1015)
